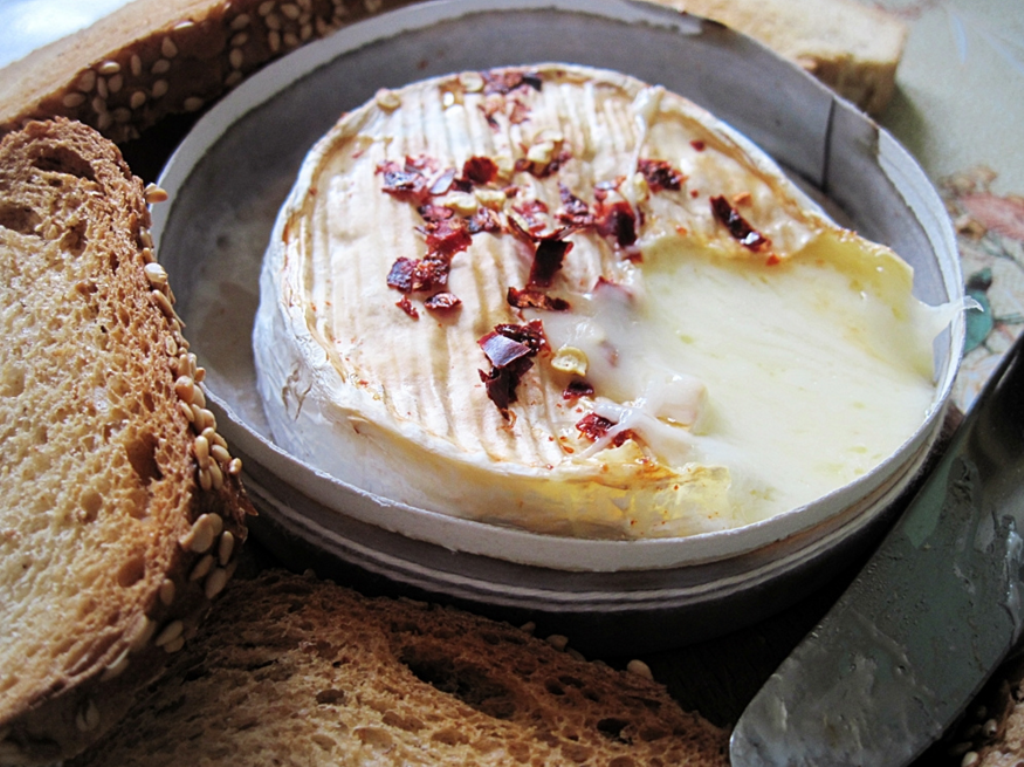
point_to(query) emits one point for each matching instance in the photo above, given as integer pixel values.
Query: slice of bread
(112, 539)
(154, 58)
(291, 670)
(854, 48)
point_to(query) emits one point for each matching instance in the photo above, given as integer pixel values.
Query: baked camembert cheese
(562, 299)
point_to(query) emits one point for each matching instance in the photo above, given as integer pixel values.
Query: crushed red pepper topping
(535, 299)
(506, 81)
(574, 211)
(480, 170)
(594, 427)
(578, 388)
(618, 222)
(738, 227)
(660, 175)
(442, 302)
(510, 349)
(406, 306)
(547, 261)
(409, 275)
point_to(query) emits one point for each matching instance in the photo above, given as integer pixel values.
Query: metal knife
(922, 627)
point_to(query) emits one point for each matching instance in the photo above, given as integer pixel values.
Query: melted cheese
(738, 384)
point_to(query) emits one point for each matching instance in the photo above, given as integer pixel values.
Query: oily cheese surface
(563, 299)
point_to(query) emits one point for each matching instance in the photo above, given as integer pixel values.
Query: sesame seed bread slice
(112, 542)
(291, 670)
(154, 58)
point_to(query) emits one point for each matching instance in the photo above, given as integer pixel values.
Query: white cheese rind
(753, 383)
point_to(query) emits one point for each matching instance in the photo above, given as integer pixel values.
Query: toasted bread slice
(155, 58)
(291, 670)
(114, 533)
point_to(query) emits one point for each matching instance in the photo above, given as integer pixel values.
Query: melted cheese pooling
(728, 382)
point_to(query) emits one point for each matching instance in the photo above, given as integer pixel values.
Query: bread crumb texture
(295, 671)
(98, 477)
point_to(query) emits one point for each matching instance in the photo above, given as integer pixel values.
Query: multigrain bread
(291, 670)
(852, 47)
(112, 540)
(154, 58)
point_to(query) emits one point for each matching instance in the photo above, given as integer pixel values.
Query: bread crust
(134, 548)
(154, 58)
(292, 670)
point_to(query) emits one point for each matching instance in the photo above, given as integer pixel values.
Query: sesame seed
(236, 58)
(640, 668)
(136, 64)
(273, 21)
(990, 728)
(372, 6)
(557, 641)
(291, 11)
(529, 627)
(215, 438)
(209, 419)
(88, 717)
(155, 274)
(233, 79)
(322, 27)
(387, 100)
(121, 115)
(201, 447)
(575, 655)
(225, 548)
(183, 25)
(240, 39)
(274, 41)
(171, 631)
(175, 645)
(220, 454)
(160, 66)
(137, 100)
(241, 21)
(140, 634)
(159, 88)
(265, 7)
(971, 758)
(99, 105)
(171, 346)
(87, 81)
(186, 410)
(154, 194)
(198, 397)
(168, 48)
(217, 476)
(193, 104)
(116, 667)
(104, 121)
(73, 100)
(184, 387)
(235, 467)
(202, 568)
(290, 40)
(205, 480)
(306, 32)
(200, 374)
(101, 88)
(163, 302)
(167, 590)
(216, 582)
(146, 238)
(115, 83)
(203, 533)
(109, 68)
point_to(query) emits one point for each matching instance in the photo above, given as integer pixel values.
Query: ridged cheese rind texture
(395, 405)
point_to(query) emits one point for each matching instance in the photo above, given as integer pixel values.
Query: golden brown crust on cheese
(117, 527)
(295, 671)
(154, 58)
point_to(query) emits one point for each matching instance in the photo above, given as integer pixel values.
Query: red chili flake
(489, 110)
(520, 112)
(442, 302)
(537, 170)
(412, 275)
(407, 307)
(574, 211)
(480, 170)
(773, 260)
(435, 213)
(531, 334)
(738, 227)
(534, 299)
(502, 351)
(593, 426)
(699, 145)
(448, 236)
(618, 222)
(404, 181)
(661, 175)
(695, 193)
(484, 220)
(578, 388)
(508, 80)
(443, 183)
(547, 261)
(534, 213)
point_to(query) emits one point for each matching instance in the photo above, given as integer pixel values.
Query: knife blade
(922, 627)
